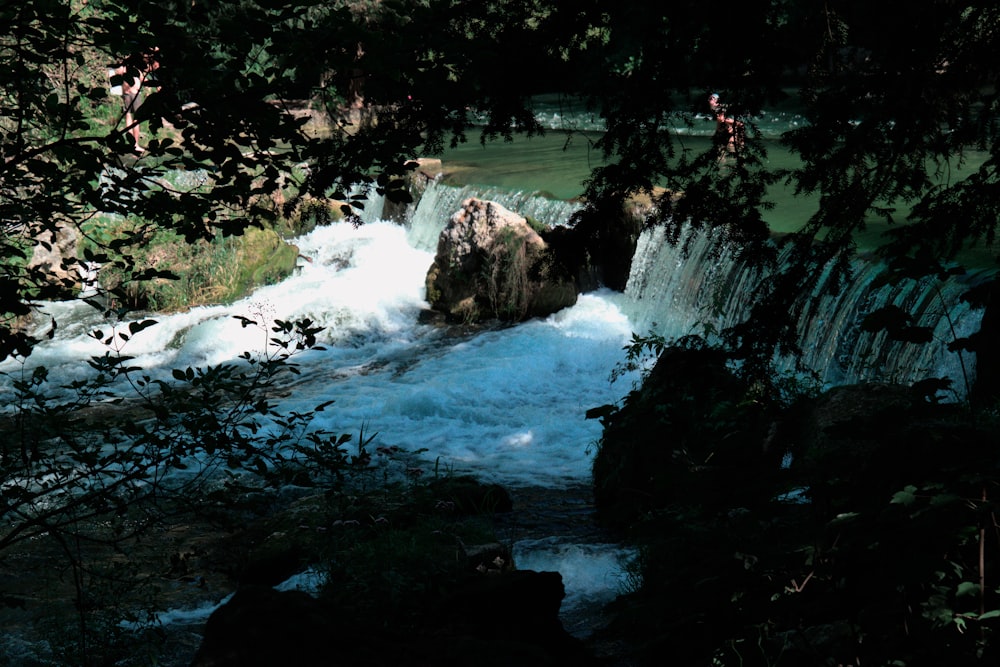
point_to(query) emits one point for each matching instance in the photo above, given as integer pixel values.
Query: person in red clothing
(135, 71)
(728, 130)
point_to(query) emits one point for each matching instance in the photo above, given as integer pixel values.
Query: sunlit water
(506, 404)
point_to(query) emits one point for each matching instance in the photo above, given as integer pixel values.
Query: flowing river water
(506, 404)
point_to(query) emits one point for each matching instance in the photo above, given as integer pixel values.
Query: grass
(220, 271)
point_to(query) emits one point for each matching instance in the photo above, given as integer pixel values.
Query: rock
(490, 264)
(688, 429)
(262, 626)
(422, 172)
(599, 246)
(428, 168)
(859, 412)
(510, 618)
(55, 256)
(504, 619)
(869, 440)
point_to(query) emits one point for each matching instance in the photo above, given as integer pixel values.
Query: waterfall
(506, 404)
(673, 294)
(439, 202)
(670, 294)
(836, 346)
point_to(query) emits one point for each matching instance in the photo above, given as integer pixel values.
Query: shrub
(92, 467)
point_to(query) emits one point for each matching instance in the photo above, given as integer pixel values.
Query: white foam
(593, 574)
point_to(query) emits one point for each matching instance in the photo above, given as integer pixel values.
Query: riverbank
(163, 587)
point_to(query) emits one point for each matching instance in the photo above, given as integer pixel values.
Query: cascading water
(836, 346)
(672, 294)
(440, 202)
(506, 404)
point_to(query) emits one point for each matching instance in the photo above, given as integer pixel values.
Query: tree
(837, 570)
(236, 84)
(65, 154)
(93, 466)
(883, 118)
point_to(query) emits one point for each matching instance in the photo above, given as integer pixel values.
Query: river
(505, 403)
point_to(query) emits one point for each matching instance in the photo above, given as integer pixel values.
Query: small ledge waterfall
(440, 202)
(672, 294)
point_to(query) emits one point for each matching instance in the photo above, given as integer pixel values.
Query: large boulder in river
(491, 264)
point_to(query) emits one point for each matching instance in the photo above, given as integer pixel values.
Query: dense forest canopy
(891, 98)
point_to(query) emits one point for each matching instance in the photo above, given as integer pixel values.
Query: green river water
(557, 164)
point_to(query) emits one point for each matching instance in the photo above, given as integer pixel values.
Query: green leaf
(905, 497)
(966, 588)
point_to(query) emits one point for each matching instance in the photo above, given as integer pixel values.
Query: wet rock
(55, 256)
(490, 264)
